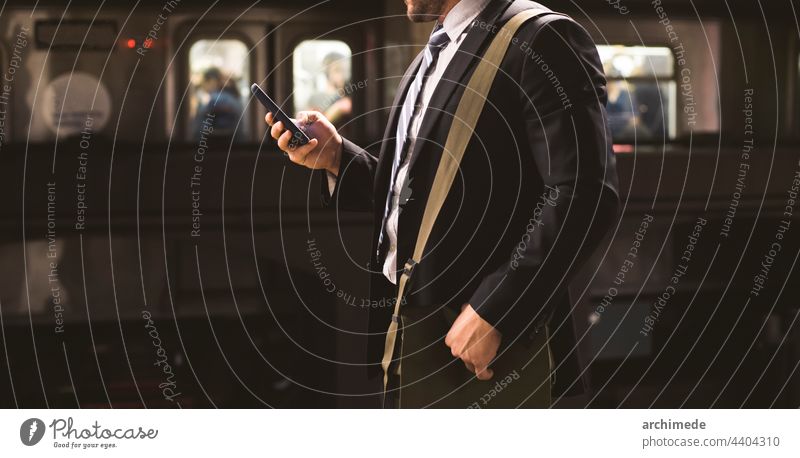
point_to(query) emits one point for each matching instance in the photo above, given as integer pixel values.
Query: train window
(641, 92)
(321, 78)
(219, 72)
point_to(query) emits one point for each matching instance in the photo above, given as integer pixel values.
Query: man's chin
(420, 17)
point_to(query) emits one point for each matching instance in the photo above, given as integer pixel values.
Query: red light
(131, 43)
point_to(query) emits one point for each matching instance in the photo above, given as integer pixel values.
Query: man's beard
(425, 10)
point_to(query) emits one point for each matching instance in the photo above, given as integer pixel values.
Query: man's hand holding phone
(324, 149)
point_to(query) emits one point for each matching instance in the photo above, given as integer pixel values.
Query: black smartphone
(299, 138)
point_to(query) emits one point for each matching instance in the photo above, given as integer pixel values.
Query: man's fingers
(483, 373)
(480, 370)
(277, 130)
(304, 150)
(300, 153)
(283, 140)
(268, 118)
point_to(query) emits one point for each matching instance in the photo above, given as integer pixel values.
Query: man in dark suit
(535, 193)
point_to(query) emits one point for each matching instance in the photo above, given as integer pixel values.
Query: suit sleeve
(354, 185)
(566, 128)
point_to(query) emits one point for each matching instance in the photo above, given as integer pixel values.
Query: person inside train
(650, 104)
(223, 110)
(623, 113)
(333, 101)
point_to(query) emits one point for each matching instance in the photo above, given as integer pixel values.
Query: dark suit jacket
(536, 191)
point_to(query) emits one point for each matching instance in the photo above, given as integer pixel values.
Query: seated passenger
(333, 101)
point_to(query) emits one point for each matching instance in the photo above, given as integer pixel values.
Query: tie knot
(438, 39)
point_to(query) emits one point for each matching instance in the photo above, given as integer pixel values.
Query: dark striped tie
(437, 41)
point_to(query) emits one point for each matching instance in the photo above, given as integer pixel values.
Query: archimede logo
(31, 431)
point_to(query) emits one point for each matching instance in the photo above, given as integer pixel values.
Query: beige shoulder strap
(469, 109)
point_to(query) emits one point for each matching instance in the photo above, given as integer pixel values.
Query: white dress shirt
(455, 25)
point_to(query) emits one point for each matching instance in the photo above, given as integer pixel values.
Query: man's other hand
(475, 341)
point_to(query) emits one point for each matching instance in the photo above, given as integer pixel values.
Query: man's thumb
(307, 117)
(485, 374)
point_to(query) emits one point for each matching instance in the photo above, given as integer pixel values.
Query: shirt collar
(462, 15)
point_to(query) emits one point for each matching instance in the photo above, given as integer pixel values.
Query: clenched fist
(475, 341)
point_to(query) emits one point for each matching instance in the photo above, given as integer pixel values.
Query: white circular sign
(70, 106)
